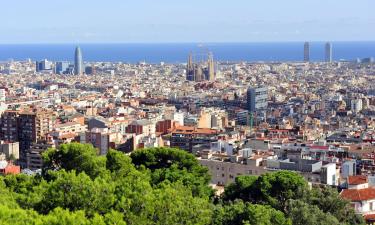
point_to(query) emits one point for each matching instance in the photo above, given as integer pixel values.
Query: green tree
(241, 188)
(174, 204)
(74, 156)
(76, 192)
(239, 212)
(118, 162)
(276, 188)
(328, 200)
(174, 165)
(61, 216)
(303, 213)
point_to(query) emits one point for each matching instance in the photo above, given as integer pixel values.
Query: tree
(241, 188)
(174, 204)
(11, 158)
(276, 188)
(239, 212)
(303, 213)
(328, 200)
(169, 164)
(159, 186)
(118, 162)
(74, 156)
(75, 192)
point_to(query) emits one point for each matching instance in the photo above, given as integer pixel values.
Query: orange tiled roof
(356, 180)
(194, 130)
(358, 194)
(370, 217)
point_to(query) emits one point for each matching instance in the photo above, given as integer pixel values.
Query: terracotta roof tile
(358, 194)
(356, 180)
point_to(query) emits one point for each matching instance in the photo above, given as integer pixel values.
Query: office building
(43, 65)
(62, 67)
(78, 64)
(328, 52)
(257, 98)
(90, 70)
(306, 52)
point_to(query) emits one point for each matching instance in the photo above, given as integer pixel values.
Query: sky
(154, 21)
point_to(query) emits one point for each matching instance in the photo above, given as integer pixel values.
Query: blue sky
(111, 21)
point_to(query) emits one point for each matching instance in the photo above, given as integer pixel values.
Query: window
(371, 206)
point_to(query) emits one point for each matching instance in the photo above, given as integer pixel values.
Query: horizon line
(184, 42)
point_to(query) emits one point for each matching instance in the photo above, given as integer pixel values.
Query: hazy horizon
(198, 43)
(168, 21)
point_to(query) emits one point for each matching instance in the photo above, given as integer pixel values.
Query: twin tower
(328, 52)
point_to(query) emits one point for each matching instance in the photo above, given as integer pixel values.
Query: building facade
(257, 98)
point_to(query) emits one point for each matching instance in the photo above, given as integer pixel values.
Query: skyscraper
(78, 67)
(257, 98)
(61, 67)
(43, 65)
(328, 52)
(306, 52)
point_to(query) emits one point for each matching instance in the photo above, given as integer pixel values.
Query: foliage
(328, 200)
(241, 188)
(159, 186)
(246, 213)
(289, 193)
(306, 214)
(169, 164)
(74, 156)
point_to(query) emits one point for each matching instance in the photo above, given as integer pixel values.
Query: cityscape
(203, 141)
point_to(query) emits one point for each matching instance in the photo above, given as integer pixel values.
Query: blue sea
(178, 52)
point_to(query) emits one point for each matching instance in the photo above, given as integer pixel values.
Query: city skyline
(187, 112)
(170, 22)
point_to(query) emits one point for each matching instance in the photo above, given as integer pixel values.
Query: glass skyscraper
(328, 52)
(78, 64)
(306, 52)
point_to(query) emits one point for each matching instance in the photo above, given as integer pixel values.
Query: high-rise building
(43, 65)
(306, 52)
(257, 98)
(61, 67)
(328, 52)
(90, 70)
(78, 64)
(25, 127)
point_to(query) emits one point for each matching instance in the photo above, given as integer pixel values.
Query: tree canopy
(288, 192)
(159, 186)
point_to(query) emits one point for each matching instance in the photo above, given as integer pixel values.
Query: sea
(178, 52)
